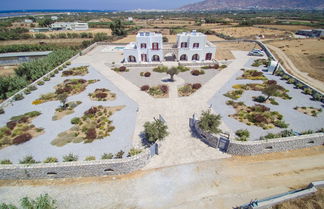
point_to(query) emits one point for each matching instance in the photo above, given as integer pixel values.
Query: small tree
(156, 130)
(210, 122)
(172, 71)
(63, 99)
(270, 91)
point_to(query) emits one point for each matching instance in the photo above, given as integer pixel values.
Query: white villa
(190, 47)
(69, 26)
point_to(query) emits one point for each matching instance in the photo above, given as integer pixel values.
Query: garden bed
(311, 111)
(67, 110)
(188, 89)
(235, 94)
(69, 87)
(252, 75)
(160, 91)
(102, 95)
(19, 130)
(76, 71)
(257, 115)
(259, 62)
(93, 125)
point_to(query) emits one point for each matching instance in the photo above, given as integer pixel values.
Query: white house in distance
(69, 26)
(190, 47)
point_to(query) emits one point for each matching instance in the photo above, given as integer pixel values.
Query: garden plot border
(260, 147)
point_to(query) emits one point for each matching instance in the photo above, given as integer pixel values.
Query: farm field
(91, 30)
(250, 32)
(61, 42)
(223, 49)
(292, 28)
(307, 55)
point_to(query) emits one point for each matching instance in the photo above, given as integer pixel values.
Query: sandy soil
(292, 28)
(69, 42)
(7, 70)
(213, 184)
(223, 49)
(249, 32)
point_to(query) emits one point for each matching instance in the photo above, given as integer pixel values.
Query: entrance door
(144, 57)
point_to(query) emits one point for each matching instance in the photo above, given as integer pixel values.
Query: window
(195, 57)
(131, 59)
(184, 44)
(143, 46)
(155, 46)
(196, 45)
(208, 56)
(183, 57)
(155, 58)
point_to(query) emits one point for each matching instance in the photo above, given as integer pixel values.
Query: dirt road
(223, 183)
(289, 65)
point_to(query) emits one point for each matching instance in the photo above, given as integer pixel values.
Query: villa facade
(190, 47)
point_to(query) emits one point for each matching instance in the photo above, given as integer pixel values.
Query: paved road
(222, 183)
(295, 71)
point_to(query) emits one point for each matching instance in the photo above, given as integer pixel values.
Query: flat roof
(24, 54)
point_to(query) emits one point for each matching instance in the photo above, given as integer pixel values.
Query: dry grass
(62, 42)
(306, 54)
(291, 28)
(313, 201)
(250, 32)
(91, 30)
(223, 50)
(7, 70)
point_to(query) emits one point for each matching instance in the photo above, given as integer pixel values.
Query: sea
(13, 13)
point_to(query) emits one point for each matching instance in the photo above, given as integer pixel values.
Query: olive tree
(210, 122)
(270, 91)
(155, 130)
(172, 71)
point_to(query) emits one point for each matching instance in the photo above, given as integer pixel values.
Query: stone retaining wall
(262, 147)
(75, 169)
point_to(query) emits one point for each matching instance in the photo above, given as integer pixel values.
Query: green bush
(41, 202)
(27, 91)
(40, 83)
(285, 77)
(119, 154)
(106, 156)
(32, 88)
(28, 160)
(317, 97)
(291, 80)
(260, 99)
(90, 158)
(308, 91)
(50, 160)
(210, 122)
(46, 79)
(242, 134)
(161, 69)
(70, 158)
(4, 162)
(18, 97)
(133, 152)
(75, 120)
(2, 110)
(155, 130)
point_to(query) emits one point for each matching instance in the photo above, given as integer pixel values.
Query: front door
(144, 57)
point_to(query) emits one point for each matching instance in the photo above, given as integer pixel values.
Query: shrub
(210, 122)
(308, 91)
(196, 86)
(5, 162)
(40, 83)
(90, 158)
(122, 69)
(75, 120)
(182, 68)
(60, 68)
(32, 88)
(285, 77)
(155, 130)
(260, 99)
(291, 80)
(46, 79)
(145, 88)
(119, 154)
(27, 91)
(133, 152)
(160, 69)
(242, 133)
(195, 72)
(317, 97)
(11, 124)
(273, 102)
(18, 97)
(70, 157)
(141, 73)
(28, 160)
(91, 133)
(52, 74)
(50, 160)
(56, 71)
(41, 202)
(299, 85)
(22, 138)
(164, 88)
(223, 66)
(2, 110)
(280, 124)
(106, 156)
(68, 63)
(101, 95)
(271, 82)
(147, 74)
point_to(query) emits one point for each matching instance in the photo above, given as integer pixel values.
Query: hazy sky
(92, 4)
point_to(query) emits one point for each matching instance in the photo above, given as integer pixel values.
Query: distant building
(69, 26)
(190, 47)
(54, 18)
(21, 57)
(130, 19)
(38, 30)
(311, 33)
(28, 21)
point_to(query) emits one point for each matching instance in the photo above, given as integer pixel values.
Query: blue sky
(92, 4)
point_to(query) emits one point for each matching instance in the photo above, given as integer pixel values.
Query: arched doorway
(209, 56)
(171, 57)
(195, 57)
(131, 59)
(144, 57)
(183, 57)
(156, 58)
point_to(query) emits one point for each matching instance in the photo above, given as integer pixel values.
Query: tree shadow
(144, 140)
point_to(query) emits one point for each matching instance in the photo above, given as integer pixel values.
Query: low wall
(262, 147)
(75, 169)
